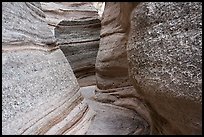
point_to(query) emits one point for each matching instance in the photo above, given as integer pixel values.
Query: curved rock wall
(148, 68)
(76, 26)
(14, 31)
(111, 63)
(159, 46)
(164, 53)
(113, 83)
(40, 94)
(56, 12)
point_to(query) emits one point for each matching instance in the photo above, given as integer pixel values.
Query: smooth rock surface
(76, 26)
(111, 119)
(148, 68)
(40, 94)
(113, 83)
(56, 12)
(111, 62)
(164, 53)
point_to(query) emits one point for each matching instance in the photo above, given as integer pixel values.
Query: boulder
(165, 64)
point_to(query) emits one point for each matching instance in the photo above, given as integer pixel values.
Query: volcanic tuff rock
(100, 7)
(163, 48)
(164, 53)
(111, 63)
(56, 12)
(40, 94)
(113, 83)
(157, 44)
(77, 30)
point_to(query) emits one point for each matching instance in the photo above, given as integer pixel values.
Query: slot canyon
(102, 68)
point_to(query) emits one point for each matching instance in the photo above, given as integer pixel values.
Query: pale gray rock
(56, 12)
(76, 26)
(21, 25)
(40, 94)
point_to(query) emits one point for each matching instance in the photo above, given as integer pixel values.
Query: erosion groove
(101, 68)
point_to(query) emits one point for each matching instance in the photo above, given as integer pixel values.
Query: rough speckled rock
(14, 31)
(40, 94)
(164, 52)
(76, 26)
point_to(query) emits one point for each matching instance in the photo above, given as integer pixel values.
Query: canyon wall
(157, 48)
(164, 53)
(148, 68)
(76, 26)
(113, 84)
(40, 94)
(111, 63)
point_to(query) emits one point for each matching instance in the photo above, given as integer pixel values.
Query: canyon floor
(110, 119)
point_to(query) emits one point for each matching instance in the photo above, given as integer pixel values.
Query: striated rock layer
(113, 83)
(164, 53)
(40, 94)
(76, 26)
(159, 46)
(111, 63)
